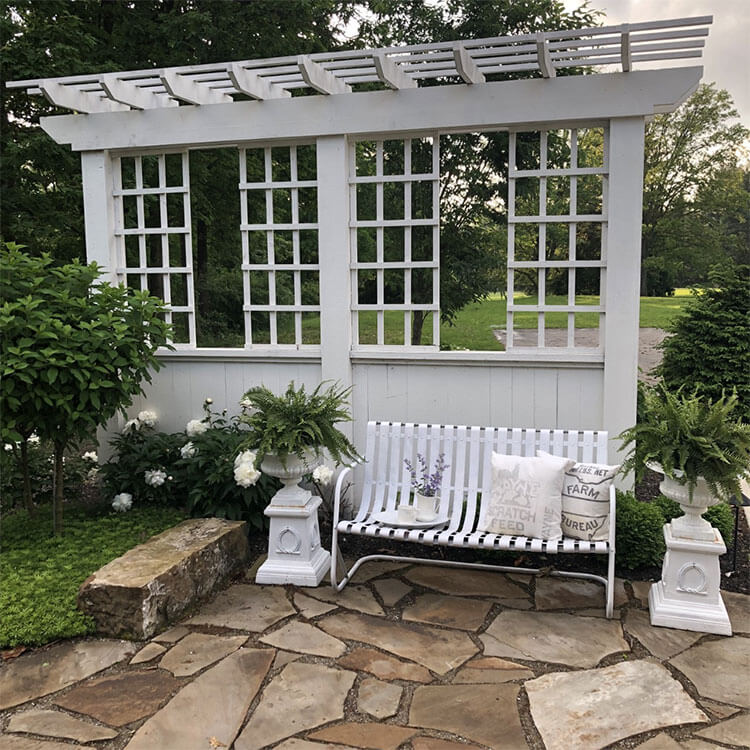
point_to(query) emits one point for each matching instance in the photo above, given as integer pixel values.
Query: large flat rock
(210, 710)
(49, 670)
(57, 724)
(155, 583)
(553, 637)
(602, 706)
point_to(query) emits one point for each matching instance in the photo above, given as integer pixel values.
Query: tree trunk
(57, 494)
(417, 323)
(28, 501)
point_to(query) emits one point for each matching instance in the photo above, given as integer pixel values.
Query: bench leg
(610, 583)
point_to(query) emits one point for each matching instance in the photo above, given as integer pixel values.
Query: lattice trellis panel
(280, 262)
(153, 236)
(557, 230)
(395, 242)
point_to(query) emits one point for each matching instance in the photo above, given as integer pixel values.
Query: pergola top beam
(468, 61)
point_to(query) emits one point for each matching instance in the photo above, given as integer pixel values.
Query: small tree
(709, 349)
(73, 353)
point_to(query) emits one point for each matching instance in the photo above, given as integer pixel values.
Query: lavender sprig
(424, 482)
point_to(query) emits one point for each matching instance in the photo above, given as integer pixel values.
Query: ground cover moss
(41, 574)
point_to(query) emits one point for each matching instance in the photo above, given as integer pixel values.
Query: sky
(726, 56)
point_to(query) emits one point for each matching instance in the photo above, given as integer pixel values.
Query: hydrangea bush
(205, 468)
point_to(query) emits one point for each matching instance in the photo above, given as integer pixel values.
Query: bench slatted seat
(468, 453)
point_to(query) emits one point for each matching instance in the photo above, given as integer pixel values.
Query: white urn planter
(294, 552)
(688, 596)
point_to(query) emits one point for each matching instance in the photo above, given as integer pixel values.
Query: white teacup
(406, 513)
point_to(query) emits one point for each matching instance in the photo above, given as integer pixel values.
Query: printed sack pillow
(525, 497)
(585, 500)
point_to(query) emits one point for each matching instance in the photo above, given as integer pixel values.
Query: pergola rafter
(464, 61)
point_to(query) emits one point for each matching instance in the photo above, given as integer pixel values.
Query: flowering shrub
(423, 482)
(205, 468)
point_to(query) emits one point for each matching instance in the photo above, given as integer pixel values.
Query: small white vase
(694, 505)
(426, 506)
(290, 471)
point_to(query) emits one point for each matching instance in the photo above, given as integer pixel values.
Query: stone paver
(491, 669)
(59, 725)
(732, 732)
(553, 637)
(377, 698)
(283, 658)
(16, 742)
(371, 736)
(391, 590)
(605, 705)
(738, 609)
(302, 697)
(306, 639)
(148, 653)
(297, 744)
(451, 611)
(371, 570)
(483, 713)
(246, 607)
(46, 671)
(431, 743)
(567, 593)
(384, 666)
(663, 643)
(358, 598)
(641, 589)
(719, 710)
(122, 698)
(465, 582)
(172, 635)
(700, 745)
(713, 668)
(196, 651)
(210, 709)
(310, 607)
(436, 649)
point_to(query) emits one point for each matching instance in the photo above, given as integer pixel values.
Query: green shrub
(710, 346)
(719, 515)
(197, 465)
(639, 540)
(41, 574)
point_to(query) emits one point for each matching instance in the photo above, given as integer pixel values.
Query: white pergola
(135, 130)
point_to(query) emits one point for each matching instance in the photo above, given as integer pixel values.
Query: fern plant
(298, 422)
(690, 437)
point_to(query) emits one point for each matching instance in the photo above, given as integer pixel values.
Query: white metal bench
(468, 451)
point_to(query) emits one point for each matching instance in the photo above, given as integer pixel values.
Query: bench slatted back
(468, 453)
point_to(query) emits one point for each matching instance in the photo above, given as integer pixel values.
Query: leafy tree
(691, 187)
(709, 348)
(72, 353)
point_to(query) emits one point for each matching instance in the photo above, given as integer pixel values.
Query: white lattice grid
(559, 181)
(407, 280)
(153, 236)
(280, 261)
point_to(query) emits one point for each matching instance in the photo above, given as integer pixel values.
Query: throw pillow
(525, 497)
(585, 500)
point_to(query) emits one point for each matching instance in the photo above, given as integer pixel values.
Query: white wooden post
(622, 287)
(333, 252)
(99, 211)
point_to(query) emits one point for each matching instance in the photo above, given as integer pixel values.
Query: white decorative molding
(134, 96)
(546, 67)
(288, 541)
(692, 579)
(81, 101)
(391, 74)
(322, 80)
(465, 66)
(250, 83)
(191, 92)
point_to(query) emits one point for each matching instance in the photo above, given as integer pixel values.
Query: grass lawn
(41, 574)
(475, 323)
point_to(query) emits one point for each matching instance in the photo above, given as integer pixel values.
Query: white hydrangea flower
(246, 475)
(323, 474)
(122, 502)
(132, 424)
(90, 456)
(148, 418)
(208, 400)
(246, 403)
(33, 439)
(8, 447)
(246, 457)
(196, 427)
(155, 477)
(188, 450)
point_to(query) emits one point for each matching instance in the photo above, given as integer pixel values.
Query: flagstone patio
(409, 657)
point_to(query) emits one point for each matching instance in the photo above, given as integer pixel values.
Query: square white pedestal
(688, 596)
